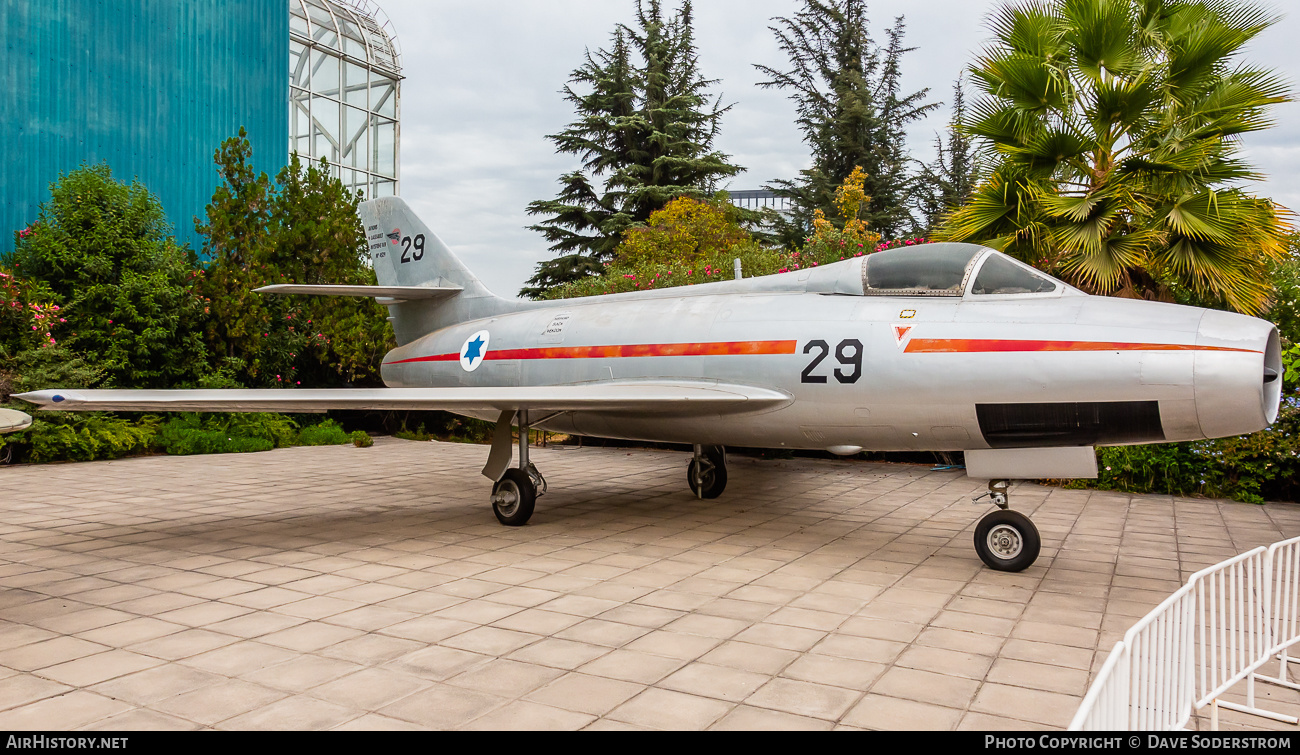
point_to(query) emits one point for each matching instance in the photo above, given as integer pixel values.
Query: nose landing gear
(1005, 540)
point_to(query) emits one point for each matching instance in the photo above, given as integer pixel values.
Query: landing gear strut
(515, 495)
(1005, 540)
(707, 472)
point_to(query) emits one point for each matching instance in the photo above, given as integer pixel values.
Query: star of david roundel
(474, 350)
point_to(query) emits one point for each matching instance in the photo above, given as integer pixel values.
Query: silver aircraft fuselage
(880, 372)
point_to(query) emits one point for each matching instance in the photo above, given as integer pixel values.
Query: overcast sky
(481, 92)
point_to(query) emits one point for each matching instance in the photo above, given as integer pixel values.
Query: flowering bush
(102, 252)
(684, 232)
(28, 317)
(718, 266)
(850, 238)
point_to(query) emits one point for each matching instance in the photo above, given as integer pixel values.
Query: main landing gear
(707, 472)
(1005, 540)
(516, 492)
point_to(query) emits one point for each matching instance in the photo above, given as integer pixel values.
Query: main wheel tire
(714, 480)
(513, 498)
(1007, 541)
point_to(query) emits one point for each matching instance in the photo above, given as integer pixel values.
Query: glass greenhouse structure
(344, 80)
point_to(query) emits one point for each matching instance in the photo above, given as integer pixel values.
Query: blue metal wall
(150, 87)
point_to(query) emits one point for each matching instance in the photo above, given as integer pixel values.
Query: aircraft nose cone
(1238, 374)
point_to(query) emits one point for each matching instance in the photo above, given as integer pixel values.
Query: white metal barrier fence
(1160, 683)
(1220, 628)
(1284, 608)
(1105, 707)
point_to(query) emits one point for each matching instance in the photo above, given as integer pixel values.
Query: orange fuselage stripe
(983, 345)
(729, 348)
(738, 348)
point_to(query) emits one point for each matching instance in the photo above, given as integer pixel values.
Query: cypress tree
(848, 96)
(949, 181)
(644, 131)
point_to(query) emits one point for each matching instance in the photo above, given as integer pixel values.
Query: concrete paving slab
(320, 588)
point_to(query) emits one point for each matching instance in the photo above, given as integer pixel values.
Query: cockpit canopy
(946, 270)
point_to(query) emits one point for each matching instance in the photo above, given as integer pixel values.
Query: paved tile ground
(319, 588)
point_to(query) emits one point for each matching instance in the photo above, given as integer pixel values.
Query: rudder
(405, 252)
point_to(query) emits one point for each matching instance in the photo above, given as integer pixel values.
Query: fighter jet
(939, 347)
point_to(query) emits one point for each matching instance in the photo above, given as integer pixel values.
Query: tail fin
(405, 252)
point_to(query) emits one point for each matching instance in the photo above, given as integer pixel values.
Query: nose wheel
(1006, 540)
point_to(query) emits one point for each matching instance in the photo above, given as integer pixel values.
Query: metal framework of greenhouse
(344, 88)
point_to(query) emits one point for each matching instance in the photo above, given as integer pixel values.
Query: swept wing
(658, 397)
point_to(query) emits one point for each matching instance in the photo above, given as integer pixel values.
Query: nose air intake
(1237, 375)
(1272, 393)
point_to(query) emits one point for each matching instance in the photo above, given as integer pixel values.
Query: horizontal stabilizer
(395, 293)
(639, 397)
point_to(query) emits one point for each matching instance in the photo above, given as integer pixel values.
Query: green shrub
(186, 441)
(420, 434)
(327, 433)
(280, 430)
(470, 430)
(119, 286)
(187, 434)
(362, 439)
(63, 436)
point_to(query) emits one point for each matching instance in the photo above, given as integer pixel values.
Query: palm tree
(1115, 126)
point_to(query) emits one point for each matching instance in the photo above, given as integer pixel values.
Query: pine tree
(302, 229)
(848, 95)
(644, 132)
(946, 184)
(237, 237)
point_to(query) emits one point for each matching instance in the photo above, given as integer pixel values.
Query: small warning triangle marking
(900, 332)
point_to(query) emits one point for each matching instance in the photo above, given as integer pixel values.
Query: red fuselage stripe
(732, 348)
(981, 345)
